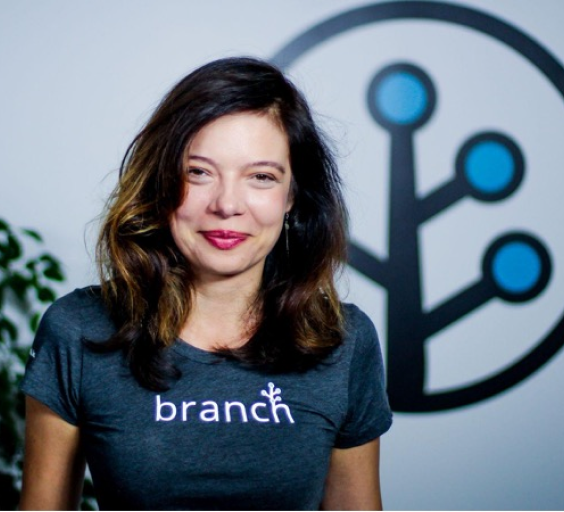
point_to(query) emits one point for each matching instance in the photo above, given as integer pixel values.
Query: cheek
(191, 205)
(175, 223)
(181, 220)
(269, 209)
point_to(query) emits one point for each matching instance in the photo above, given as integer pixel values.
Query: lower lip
(223, 243)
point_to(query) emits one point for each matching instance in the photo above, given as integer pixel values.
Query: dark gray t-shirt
(224, 436)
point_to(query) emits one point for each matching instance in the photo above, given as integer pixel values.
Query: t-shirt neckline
(185, 349)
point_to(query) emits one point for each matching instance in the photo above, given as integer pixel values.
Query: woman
(215, 368)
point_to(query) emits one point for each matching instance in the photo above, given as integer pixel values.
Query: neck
(221, 314)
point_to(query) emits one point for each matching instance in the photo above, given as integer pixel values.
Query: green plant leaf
(4, 225)
(53, 269)
(22, 353)
(9, 328)
(14, 249)
(47, 258)
(54, 272)
(34, 321)
(19, 284)
(45, 294)
(31, 233)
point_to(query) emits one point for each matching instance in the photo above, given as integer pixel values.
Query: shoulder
(368, 410)
(360, 332)
(54, 369)
(360, 338)
(80, 312)
(355, 318)
(77, 300)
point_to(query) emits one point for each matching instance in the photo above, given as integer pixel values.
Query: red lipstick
(224, 240)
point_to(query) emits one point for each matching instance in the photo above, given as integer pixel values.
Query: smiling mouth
(224, 240)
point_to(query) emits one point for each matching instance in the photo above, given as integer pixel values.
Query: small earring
(286, 229)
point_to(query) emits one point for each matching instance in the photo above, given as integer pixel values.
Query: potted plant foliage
(26, 277)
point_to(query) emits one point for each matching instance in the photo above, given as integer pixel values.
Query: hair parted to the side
(147, 282)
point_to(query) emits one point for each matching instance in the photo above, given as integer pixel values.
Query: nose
(228, 199)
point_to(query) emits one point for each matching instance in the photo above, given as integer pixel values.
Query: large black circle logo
(516, 267)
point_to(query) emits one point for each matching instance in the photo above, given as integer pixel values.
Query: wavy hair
(147, 283)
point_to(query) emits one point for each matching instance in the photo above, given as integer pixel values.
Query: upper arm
(353, 480)
(53, 461)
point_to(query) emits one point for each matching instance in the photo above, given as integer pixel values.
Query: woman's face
(238, 191)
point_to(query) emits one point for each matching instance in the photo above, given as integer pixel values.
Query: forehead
(251, 133)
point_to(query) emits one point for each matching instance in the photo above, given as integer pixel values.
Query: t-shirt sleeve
(53, 370)
(369, 414)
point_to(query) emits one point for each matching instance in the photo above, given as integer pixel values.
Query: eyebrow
(260, 163)
(268, 163)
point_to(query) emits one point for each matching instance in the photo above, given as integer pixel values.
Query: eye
(263, 177)
(197, 175)
(264, 180)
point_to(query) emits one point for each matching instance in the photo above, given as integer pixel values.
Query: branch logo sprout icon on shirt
(489, 167)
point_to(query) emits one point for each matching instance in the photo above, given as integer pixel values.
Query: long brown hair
(147, 282)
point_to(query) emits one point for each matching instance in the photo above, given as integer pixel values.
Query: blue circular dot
(489, 167)
(401, 98)
(516, 267)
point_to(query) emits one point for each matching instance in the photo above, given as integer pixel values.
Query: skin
(53, 470)
(239, 176)
(353, 481)
(238, 180)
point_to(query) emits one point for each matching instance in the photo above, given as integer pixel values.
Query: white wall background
(78, 79)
